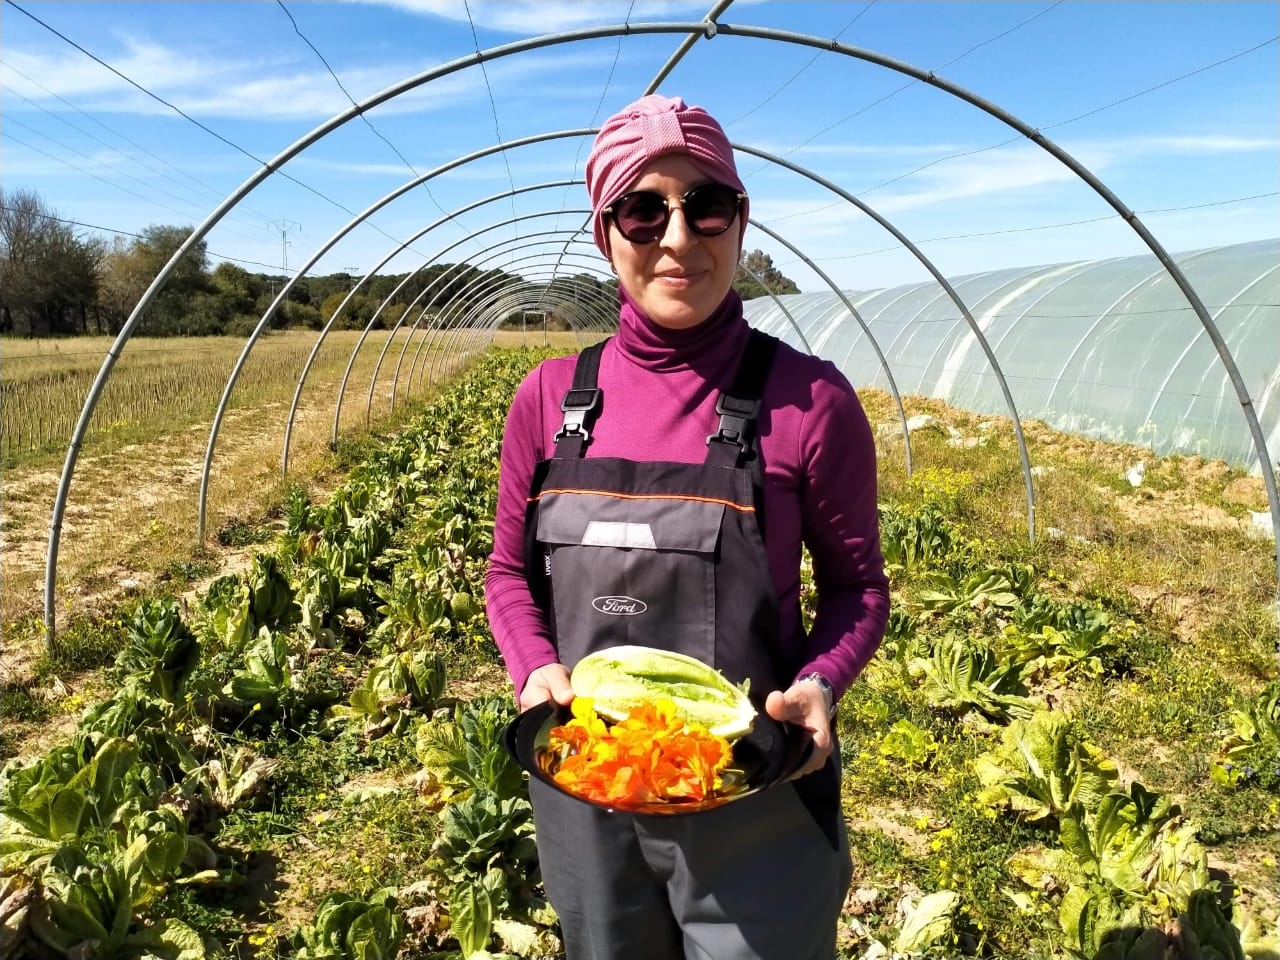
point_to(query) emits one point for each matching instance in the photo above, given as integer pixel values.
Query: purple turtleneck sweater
(659, 394)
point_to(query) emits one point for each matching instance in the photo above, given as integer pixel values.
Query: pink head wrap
(652, 127)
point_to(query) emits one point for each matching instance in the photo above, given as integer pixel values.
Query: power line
(209, 190)
(912, 82)
(1046, 226)
(124, 233)
(90, 173)
(794, 76)
(213, 133)
(80, 153)
(493, 107)
(369, 123)
(1088, 113)
(604, 92)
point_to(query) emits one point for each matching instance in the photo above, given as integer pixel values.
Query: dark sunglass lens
(641, 216)
(710, 209)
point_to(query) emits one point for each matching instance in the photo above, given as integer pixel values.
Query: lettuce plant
(1042, 771)
(396, 685)
(1252, 750)
(160, 651)
(350, 928)
(962, 677)
(86, 907)
(467, 752)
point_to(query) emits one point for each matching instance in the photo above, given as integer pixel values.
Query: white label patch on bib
(601, 533)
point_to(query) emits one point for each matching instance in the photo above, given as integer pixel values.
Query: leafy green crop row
(343, 696)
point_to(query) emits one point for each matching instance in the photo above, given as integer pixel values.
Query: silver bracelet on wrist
(828, 690)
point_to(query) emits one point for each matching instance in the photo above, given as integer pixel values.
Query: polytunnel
(1049, 342)
(1108, 349)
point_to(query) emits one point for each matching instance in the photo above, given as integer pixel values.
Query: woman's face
(680, 278)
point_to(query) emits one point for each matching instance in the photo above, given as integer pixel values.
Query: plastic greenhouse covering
(1108, 348)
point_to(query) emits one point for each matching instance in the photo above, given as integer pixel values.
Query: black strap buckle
(737, 421)
(578, 405)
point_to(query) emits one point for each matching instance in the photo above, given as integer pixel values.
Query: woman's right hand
(548, 682)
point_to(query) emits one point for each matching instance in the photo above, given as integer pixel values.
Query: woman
(637, 484)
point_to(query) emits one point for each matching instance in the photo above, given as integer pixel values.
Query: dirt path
(132, 514)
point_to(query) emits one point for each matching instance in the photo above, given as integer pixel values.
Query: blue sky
(1173, 105)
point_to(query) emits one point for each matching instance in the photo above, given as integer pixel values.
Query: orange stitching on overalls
(647, 496)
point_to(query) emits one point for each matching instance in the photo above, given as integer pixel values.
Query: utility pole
(284, 226)
(351, 272)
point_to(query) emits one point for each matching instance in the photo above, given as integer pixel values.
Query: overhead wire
(1043, 226)
(178, 110)
(1019, 138)
(89, 173)
(912, 82)
(210, 190)
(369, 123)
(1081, 116)
(80, 153)
(126, 233)
(786, 83)
(493, 106)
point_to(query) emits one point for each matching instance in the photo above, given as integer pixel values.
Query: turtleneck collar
(709, 347)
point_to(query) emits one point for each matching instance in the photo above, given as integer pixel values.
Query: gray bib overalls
(670, 555)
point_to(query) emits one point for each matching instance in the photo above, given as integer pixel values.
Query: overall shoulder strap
(733, 443)
(581, 404)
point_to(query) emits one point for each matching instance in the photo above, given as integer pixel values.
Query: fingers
(804, 705)
(548, 682)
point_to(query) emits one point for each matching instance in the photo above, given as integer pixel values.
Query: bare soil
(131, 516)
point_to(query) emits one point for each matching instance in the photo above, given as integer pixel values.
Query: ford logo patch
(619, 606)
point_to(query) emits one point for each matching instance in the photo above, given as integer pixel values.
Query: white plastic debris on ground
(1260, 525)
(1136, 474)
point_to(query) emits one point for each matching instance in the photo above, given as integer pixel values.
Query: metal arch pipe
(234, 198)
(592, 300)
(404, 349)
(280, 298)
(497, 301)
(234, 376)
(595, 33)
(445, 334)
(687, 44)
(461, 301)
(884, 362)
(448, 273)
(779, 304)
(1102, 190)
(505, 300)
(955, 298)
(466, 309)
(378, 312)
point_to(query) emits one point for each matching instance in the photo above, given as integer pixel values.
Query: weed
(85, 643)
(210, 911)
(239, 533)
(200, 566)
(18, 703)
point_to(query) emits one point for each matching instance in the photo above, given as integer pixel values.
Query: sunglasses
(642, 216)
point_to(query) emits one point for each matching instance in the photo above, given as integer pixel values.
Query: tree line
(57, 282)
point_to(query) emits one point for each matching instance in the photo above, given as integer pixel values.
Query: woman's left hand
(805, 705)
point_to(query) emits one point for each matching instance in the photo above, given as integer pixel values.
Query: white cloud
(536, 17)
(1009, 170)
(252, 89)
